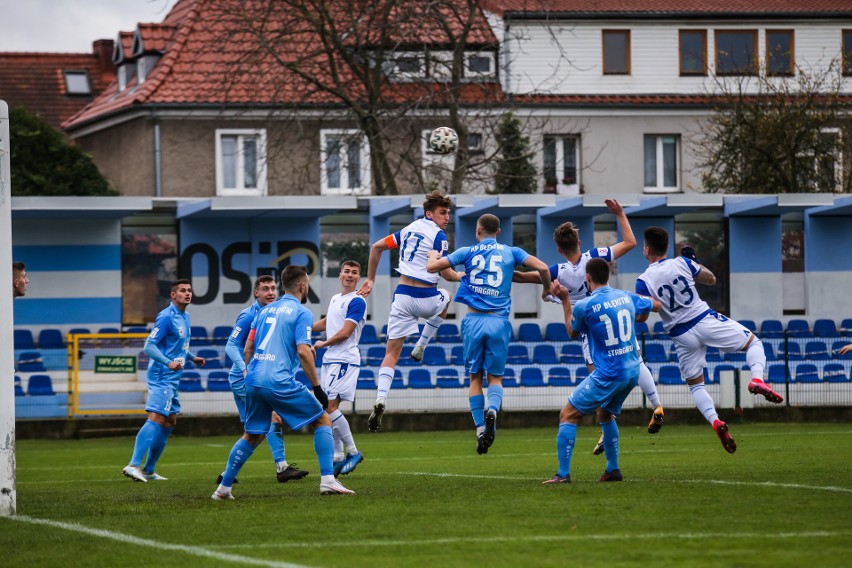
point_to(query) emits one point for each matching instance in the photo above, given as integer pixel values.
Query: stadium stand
(777, 373)
(405, 359)
(807, 373)
(669, 375)
(529, 333)
(217, 381)
(213, 359)
(420, 379)
(717, 370)
(448, 379)
(799, 328)
(531, 377)
(793, 350)
(580, 373)
(374, 357)
(509, 379)
(771, 328)
(835, 350)
(435, 355)
(714, 355)
(30, 362)
(457, 355)
(825, 328)
(199, 335)
(545, 354)
(749, 324)
(641, 329)
(846, 326)
(19, 387)
(555, 331)
(368, 335)
(659, 330)
(448, 333)
(221, 333)
(23, 339)
(571, 353)
(835, 373)
(397, 382)
(655, 353)
(518, 355)
(50, 338)
(559, 377)
(816, 350)
(40, 385)
(190, 382)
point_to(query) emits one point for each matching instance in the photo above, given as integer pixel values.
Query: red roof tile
(155, 37)
(124, 46)
(670, 7)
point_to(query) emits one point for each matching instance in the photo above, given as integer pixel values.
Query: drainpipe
(158, 182)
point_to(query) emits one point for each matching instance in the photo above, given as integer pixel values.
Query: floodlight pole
(8, 492)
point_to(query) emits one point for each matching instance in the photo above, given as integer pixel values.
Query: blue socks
(158, 444)
(276, 442)
(143, 442)
(610, 441)
(565, 447)
(495, 397)
(477, 409)
(324, 447)
(240, 454)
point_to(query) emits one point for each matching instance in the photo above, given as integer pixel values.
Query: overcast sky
(72, 25)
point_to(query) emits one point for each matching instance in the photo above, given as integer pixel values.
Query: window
(661, 162)
(561, 160)
(821, 170)
(405, 66)
(124, 74)
(736, 53)
(345, 158)
(616, 52)
(240, 163)
(779, 52)
(77, 83)
(847, 52)
(479, 64)
(693, 52)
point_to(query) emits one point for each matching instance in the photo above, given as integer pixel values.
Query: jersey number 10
(625, 328)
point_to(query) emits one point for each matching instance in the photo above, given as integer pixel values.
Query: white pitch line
(147, 543)
(542, 538)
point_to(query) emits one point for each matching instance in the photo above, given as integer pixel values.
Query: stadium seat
(320, 353)
(559, 377)
(366, 374)
(749, 324)
(835, 373)
(221, 333)
(659, 330)
(641, 329)
(396, 382)
(384, 336)
(509, 379)
(672, 352)
(415, 337)
(434, 355)
(375, 355)
(799, 328)
(213, 359)
(448, 378)
(190, 381)
(777, 373)
(655, 353)
(50, 338)
(19, 389)
(769, 350)
(448, 333)
(78, 331)
(518, 355)
(199, 336)
(580, 373)
(365, 384)
(815, 350)
(571, 353)
(24, 339)
(669, 375)
(835, 350)
(771, 328)
(545, 354)
(420, 379)
(301, 377)
(531, 377)
(555, 331)
(529, 333)
(368, 335)
(735, 356)
(457, 355)
(713, 354)
(793, 350)
(807, 373)
(405, 359)
(717, 369)
(846, 326)
(825, 328)
(40, 385)
(217, 381)
(30, 362)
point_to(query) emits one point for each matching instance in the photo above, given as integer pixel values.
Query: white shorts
(407, 309)
(338, 380)
(712, 331)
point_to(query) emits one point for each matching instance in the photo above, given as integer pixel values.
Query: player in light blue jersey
(417, 295)
(341, 365)
(606, 316)
(693, 326)
(265, 292)
(486, 330)
(168, 348)
(278, 343)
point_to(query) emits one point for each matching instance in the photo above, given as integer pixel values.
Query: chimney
(102, 49)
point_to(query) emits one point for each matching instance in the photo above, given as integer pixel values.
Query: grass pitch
(784, 499)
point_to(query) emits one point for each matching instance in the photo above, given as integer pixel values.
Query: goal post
(8, 491)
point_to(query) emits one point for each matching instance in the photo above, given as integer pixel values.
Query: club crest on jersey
(445, 246)
(602, 251)
(180, 332)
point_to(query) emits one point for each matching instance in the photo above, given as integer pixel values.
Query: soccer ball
(443, 140)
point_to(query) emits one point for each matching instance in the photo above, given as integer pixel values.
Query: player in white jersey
(693, 326)
(572, 275)
(417, 295)
(341, 364)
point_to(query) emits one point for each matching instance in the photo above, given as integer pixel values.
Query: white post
(8, 492)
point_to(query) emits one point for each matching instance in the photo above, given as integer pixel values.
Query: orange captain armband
(251, 334)
(390, 242)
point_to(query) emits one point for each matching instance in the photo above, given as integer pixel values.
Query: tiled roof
(36, 81)
(644, 101)
(124, 46)
(670, 7)
(155, 37)
(210, 61)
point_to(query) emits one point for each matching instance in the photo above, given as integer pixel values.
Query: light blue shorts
(238, 387)
(296, 405)
(162, 399)
(593, 393)
(485, 339)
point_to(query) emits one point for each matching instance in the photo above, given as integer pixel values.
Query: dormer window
(479, 64)
(77, 83)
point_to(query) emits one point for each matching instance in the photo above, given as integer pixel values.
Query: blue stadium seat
(825, 328)
(815, 350)
(769, 350)
(799, 328)
(375, 355)
(571, 353)
(655, 353)
(416, 336)
(509, 379)
(40, 385)
(749, 324)
(396, 382)
(50, 338)
(368, 334)
(835, 350)
(846, 326)
(190, 381)
(518, 355)
(793, 352)
(531, 377)
(719, 368)
(835, 373)
(545, 354)
(24, 339)
(771, 328)
(366, 374)
(777, 373)
(659, 330)
(384, 336)
(448, 378)
(457, 355)
(435, 355)
(30, 362)
(448, 333)
(221, 333)
(19, 389)
(405, 359)
(199, 336)
(669, 375)
(807, 373)
(111, 341)
(420, 379)
(365, 383)
(137, 329)
(713, 354)
(217, 381)
(559, 377)
(735, 356)
(555, 331)
(529, 333)
(640, 328)
(213, 359)
(672, 352)
(580, 373)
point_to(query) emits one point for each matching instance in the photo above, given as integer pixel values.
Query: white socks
(340, 427)
(384, 383)
(756, 358)
(429, 330)
(646, 383)
(703, 402)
